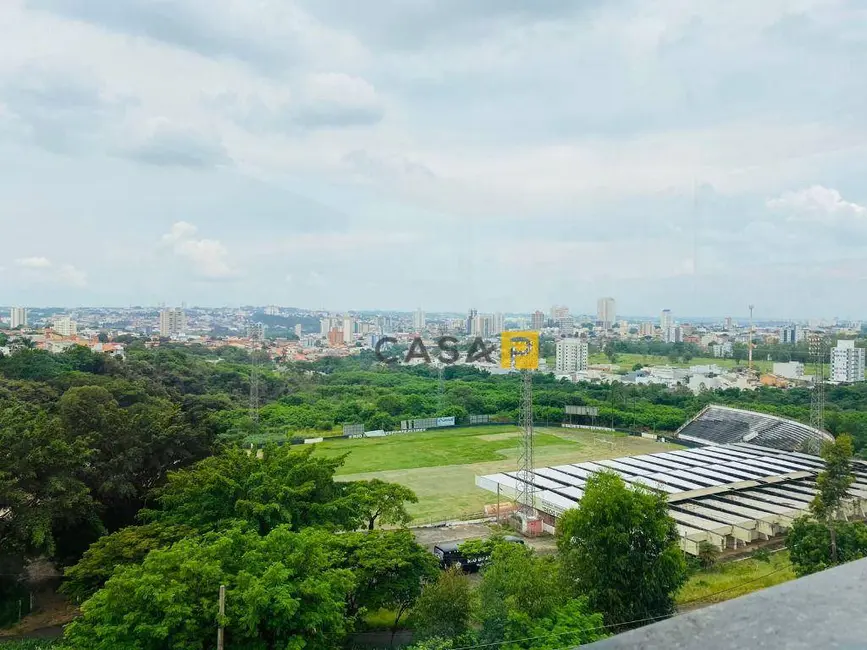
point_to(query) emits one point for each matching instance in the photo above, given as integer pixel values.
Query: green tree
(379, 500)
(389, 568)
(284, 486)
(620, 548)
(809, 543)
(126, 546)
(281, 592)
(833, 484)
(445, 607)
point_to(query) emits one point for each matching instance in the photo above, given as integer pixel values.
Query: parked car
(449, 554)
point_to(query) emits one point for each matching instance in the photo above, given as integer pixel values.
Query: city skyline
(321, 160)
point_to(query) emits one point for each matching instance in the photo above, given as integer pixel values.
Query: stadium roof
(729, 495)
(717, 425)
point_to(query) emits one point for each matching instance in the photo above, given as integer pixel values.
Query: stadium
(744, 481)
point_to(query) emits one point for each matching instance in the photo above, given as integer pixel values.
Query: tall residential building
(791, 335)
(673, 334)
(18, 317)
(571, 355)
(606, 312)
(665, 320)
(173, 322)
(272, 310)
(471, 314)
(647, 329)
(847, 362)
(298, 330)
(538, 320)
(728, 322)
(418, 320)
(256, 331)
(559, 312)
(335, 337)
(348, 329)
(498, 323)
(566, 325)
(65, 326)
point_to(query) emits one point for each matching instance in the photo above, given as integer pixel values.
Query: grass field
(441, 466)
(626, 361)
(732, 579)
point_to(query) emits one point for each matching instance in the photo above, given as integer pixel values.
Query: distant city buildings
(537, 322)
(298, 330)
(471, 314)
(571, 355)
(728, 323)
(17, 317)
(256, 331)
(418, 320)
(606, 312)
(335, 337)
(173, 322)
(498, 323)
(272, 310)
(559, 312)
(673, 334)
(847, 362)
(65, 326)
(566, 325)
(723, 350)
(647, 329)
(792, 334)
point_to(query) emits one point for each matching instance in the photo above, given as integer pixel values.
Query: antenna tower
(750, 344)
(254, 380)
(817, 344)
(526, 495)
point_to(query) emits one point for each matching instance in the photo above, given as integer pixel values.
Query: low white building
(789, 370)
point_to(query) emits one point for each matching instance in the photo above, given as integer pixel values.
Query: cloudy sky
(503, 154)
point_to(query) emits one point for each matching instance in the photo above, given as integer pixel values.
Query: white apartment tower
(571, 355)
(18, 317)
(847, 362)
(348, 329)
(498, 323)
(606, 312)
(418, 320)
(647, 329)
(173, 322)
(665, 320)
(65, 326)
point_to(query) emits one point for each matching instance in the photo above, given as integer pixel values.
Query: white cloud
(209, 258)
(69, 275)
(33, 262)
(817, 203)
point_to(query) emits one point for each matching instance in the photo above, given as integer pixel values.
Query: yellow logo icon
(519, 350)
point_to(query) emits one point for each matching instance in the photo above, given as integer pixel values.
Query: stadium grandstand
(730, 495)
(718, 425)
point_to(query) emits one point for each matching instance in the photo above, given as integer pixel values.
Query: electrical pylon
(526, 493)
(817, 345)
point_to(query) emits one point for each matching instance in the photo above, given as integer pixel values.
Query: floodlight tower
(750, 344)
(526, 494)
(817, 344)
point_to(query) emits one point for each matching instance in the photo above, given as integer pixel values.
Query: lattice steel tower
(817, 345)
(526, 494)
(254, 381)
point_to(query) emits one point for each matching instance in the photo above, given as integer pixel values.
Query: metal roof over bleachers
(729, 494)
(717, 425)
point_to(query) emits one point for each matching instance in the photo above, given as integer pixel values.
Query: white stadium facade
(743, 481)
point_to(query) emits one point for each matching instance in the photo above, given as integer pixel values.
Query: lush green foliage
(281, 591)
(378, 500)
(445, 607)
(809, 543)
(620, 548)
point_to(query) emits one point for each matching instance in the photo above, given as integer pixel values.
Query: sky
(505, 155)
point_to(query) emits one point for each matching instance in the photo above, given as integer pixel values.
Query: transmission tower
(526, 495)
(750, 345)
(254, 381)
(817, 346)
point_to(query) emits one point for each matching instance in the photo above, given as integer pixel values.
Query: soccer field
(441, 466)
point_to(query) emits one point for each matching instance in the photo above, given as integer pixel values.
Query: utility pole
(220, 630)
(750, 347)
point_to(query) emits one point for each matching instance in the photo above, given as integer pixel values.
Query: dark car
(450, 555)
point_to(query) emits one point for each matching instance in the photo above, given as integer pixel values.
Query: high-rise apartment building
(673, 334)
(348, 329)
(335, 337)
(666, 320)
(418, 320)
(847, 362)
(566, 325)
(498, 323)
(256, 331)
(571, 355)
(298, 330)
(791, 335)
(173, 322)
(538, 320)
(606, 312)
(559, 312)
(471, 314)
(65, 326)
(647, 329)
(728, 322)
(17, 317)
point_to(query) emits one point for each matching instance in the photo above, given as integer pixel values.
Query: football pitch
(441, 465)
